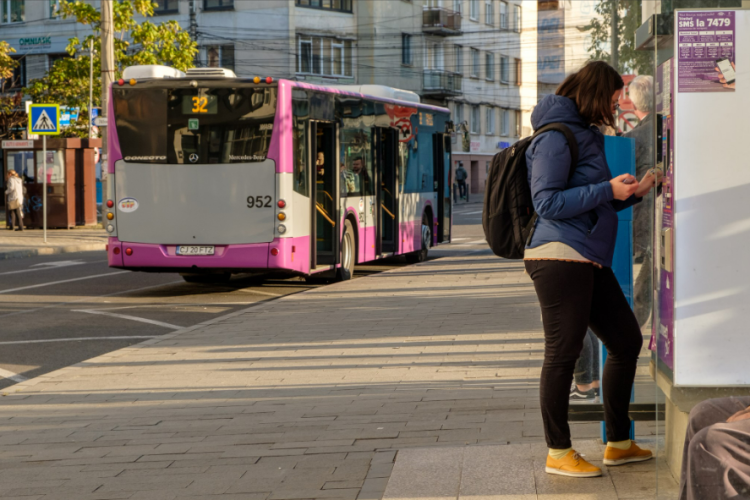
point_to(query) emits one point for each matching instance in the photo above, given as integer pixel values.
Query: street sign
(44, 119)
(18, 144)
(100, 121)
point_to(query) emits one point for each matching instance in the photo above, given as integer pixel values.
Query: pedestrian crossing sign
(44, 119)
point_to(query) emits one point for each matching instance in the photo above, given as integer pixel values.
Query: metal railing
(438, 81)
(441, 20)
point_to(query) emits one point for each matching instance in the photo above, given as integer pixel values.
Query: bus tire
(348, 251)
(421, 255)
(207, 278)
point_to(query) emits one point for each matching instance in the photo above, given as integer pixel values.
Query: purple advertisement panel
(706, 51)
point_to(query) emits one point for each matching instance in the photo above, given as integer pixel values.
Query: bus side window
(300, 157)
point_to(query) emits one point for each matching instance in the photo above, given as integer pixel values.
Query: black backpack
(508, 217)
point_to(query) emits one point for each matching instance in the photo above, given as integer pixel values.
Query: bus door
(324, 227)
(386, 194)
(441, 157)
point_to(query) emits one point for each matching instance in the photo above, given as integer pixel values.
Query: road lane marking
(51, 266)
(252, 290)
(127, 316)
(12, 376)
(468, 213)
(75, 339)
(61, 281)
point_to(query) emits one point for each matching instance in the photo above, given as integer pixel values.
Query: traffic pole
(44, 190)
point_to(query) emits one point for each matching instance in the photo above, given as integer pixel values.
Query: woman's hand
(647, 182)
(623, 186)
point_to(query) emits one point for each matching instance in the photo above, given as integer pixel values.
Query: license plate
(195, 250)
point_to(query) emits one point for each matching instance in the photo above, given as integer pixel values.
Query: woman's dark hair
(591, 89)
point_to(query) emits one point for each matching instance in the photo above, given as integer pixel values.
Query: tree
(630, 61)
(12, 112)
(67, 82)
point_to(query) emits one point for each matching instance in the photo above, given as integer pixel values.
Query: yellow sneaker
(613, 456)
(572, 465)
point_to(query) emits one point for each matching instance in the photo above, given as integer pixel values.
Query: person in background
(585, 387)
(641, 92)
(461, 175)
(716, 456)
(14, 190)
(569, 258)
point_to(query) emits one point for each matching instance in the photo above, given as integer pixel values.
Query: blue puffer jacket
(581, 213)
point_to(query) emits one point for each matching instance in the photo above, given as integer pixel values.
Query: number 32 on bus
(212, 175)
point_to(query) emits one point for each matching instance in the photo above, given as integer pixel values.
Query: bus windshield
(194, 125)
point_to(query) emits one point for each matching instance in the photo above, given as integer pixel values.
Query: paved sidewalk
(315, 395)
(28, 243)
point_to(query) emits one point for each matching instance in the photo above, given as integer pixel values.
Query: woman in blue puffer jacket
(569, 259)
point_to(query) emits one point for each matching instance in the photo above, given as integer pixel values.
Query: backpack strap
(572, 142)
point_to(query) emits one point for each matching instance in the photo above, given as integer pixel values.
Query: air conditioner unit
(151, 71)
(210, 73)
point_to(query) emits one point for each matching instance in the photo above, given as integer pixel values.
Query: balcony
(439, 83)
(440, 21)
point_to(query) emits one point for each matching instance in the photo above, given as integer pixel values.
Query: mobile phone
(629, 180)
(725, 66)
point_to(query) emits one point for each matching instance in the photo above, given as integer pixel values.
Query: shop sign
(476, 146)
(36, 42)
(18, 144)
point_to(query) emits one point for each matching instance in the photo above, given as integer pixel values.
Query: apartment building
(477, 57)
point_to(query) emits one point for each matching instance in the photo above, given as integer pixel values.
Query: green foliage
(630, 61)
(7, 63)
(12, 114)
(67, 82)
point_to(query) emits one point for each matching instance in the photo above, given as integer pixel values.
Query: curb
(33, 252)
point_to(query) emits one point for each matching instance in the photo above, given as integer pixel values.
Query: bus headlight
(110, 228)
(282, 229)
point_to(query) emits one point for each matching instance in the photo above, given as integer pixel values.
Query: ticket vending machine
(701, 327)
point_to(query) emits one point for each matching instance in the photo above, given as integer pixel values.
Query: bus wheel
(346, 271)
(207, 278)
(421, 255)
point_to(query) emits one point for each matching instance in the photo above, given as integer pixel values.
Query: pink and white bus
(212, 175)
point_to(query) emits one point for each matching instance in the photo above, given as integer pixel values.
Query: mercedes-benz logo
(193, 158)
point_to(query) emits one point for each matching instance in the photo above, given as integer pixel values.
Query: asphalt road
(58, 310)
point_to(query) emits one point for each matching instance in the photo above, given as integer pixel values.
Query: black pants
(574, 296)
(461, 189)
(716, 457)
(15, 218)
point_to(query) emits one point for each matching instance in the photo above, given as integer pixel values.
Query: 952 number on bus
(259, 202)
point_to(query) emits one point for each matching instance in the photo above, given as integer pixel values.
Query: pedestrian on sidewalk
(716, 456)
(15, 199)
(569, 258)
(461, 175)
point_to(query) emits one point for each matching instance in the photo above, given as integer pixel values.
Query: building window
(489, 12)
(518, 123)
(14, 11)
(218, 4)
(18, 80)
(474, 9)
(434, 56)
(475, 63)
(54, 9)
(457, 6)
(517, 18)
(475, 120)
(458, 53)
(519, 71)
(220, 56)
(51, 58)
(324, 56)
(406, 58)
(504, 122)
(339, 5)
(459, 113)
(503, 15)
(490, 120)
(166, 7)
(504, 69)
(489, 66)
